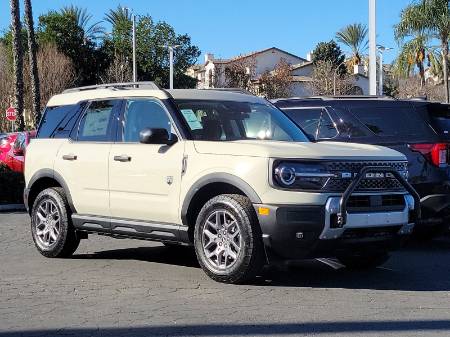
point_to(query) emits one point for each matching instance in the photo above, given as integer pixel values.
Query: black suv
(418, 129)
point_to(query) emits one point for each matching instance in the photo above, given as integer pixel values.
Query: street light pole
(372, 48)
(134, 50)
(171, 49)
(381, 50)
(133, 30)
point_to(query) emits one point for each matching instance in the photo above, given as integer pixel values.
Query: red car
(6, 143)
(15, 157)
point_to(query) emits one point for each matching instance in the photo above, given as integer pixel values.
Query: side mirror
(157, 136)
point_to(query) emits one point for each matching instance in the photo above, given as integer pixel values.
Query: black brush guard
(342, 215)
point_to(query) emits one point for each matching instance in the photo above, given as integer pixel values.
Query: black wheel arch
(221, 183)
(41, 180)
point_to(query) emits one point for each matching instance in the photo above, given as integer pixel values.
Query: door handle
(122, 158)
(69, 157)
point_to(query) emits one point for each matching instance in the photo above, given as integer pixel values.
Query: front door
(144, 179)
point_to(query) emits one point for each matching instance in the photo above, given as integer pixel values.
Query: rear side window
(96, 122)
(57, 121)
(316, 122)
(392, 121)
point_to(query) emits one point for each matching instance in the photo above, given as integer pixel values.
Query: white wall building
(210, 74)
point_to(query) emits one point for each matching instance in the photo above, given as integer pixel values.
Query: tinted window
(391, 121)
(327, 128)
(228, 120)
(143, 113)
(307, 119)
(55, 118)
(96, 123)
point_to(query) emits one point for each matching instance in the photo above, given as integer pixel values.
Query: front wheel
(227, 239)
(363, 260)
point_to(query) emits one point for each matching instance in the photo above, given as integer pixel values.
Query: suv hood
(297, 150)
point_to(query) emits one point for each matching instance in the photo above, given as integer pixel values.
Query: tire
(51, 238)
(363, 261)
(242, 231)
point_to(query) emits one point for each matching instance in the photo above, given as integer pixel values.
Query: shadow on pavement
(247, 329)
(419, 267)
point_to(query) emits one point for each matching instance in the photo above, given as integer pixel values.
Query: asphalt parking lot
(137, 288)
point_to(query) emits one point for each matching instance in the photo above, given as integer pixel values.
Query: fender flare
(219, 177)
(49, 173)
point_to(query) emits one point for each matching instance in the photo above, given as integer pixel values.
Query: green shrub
(11, 186)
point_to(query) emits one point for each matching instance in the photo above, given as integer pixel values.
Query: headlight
(301, 176)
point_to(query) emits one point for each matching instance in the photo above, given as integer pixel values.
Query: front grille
(345, 171)
(376, 203)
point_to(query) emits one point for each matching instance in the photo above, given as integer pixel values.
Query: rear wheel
(51, 226)
(363, 260)
(227, 239)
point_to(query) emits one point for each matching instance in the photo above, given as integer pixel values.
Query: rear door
(83, 159)
(314, 121)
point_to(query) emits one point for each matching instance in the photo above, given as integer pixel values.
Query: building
(211, 74)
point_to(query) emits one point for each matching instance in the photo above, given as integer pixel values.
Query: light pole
(133, 20)
(381, 50)
(372, 48)
(171, 49)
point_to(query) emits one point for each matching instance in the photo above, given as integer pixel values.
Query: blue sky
(232, 27)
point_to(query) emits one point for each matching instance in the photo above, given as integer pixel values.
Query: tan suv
(223, 171)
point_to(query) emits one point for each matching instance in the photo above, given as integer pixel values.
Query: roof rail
(327, 98)
(236, 90)
(125, 85)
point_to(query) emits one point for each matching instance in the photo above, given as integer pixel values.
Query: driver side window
(143, 113)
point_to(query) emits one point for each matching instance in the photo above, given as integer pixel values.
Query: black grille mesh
(340, 184)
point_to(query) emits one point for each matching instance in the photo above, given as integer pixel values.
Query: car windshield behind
(228, 120)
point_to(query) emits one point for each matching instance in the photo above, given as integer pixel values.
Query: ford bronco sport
(223, 171)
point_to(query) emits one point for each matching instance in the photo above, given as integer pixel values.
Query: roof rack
(118, 86)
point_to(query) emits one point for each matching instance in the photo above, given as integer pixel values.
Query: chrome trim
(367, 220)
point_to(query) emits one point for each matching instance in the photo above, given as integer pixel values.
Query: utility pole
(381, 50)
(372, 48)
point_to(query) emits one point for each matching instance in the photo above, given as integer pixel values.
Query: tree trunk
(445, 68)
(18, 63)
(34, 74)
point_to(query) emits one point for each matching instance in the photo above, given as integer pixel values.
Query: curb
(12, 207)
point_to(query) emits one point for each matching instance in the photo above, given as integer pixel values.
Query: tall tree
(90, 31)
(354, 36)
(17, 62)
(429, 19)
(329, 52)
(32, 52)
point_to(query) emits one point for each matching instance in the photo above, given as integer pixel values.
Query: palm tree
(32, 51)
(413, 54)
(430, 19)
(438, 24)
(354, 36)
(18, 62)
(117, 16)
(91, 31)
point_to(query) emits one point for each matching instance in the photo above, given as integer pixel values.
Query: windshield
(229, 120)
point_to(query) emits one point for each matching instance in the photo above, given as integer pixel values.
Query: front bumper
(297, 232)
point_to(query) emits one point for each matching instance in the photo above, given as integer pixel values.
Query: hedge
(11, 186)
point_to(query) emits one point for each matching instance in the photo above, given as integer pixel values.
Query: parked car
(224, 172)
(15, 157)
(405, 126)
(6, 143)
